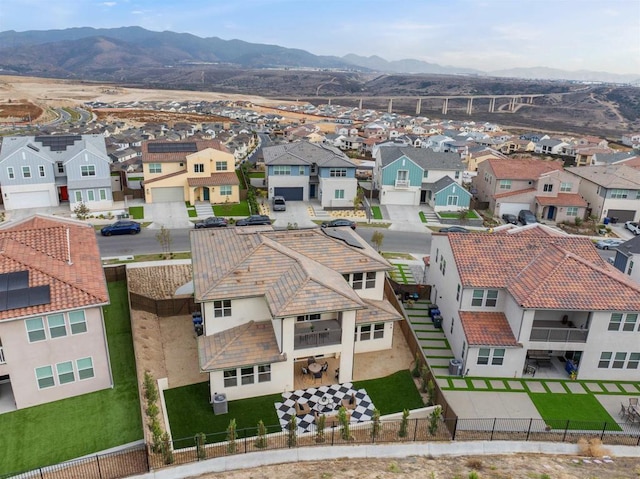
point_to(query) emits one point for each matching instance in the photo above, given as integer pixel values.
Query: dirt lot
(510, 466)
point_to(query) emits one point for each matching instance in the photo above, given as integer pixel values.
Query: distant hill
(110, 53)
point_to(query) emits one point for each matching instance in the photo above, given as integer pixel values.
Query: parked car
(526, 217)
(339, 222)
(509, 218)
(211, 222)
(122, 227)
(632, 226)
(254, 220)
(609, 243)
(279, 203)
(454, 229)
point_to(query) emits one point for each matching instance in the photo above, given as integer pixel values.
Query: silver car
(279, 203)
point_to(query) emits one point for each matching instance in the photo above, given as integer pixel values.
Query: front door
(64, 193)
(312, 191)
(551, 213)
(423, 196)
(205, 193)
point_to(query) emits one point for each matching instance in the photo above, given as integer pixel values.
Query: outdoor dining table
(315, 367)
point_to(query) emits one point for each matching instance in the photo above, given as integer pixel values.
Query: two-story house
(302, 171)
(510, 300)
(191, 171)
(272, 299)
(543, 187)
(551, 146)
(626, 257)
(411, 176)
(44, 171)
(610, 191)
(52, 289)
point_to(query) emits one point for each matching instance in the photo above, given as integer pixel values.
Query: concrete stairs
(203, 209)
(432, 340)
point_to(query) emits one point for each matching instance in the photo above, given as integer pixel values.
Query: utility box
(219, 404)
(455, 367)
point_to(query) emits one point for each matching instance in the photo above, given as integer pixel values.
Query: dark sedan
(123, 227)
(453, 229)
(512, 219)
(254, 220)
(339, 222)
(211, 222)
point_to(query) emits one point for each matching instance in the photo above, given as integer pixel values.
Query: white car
(633, 227)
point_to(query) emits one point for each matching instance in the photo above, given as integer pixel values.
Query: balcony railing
(2, 361)
(317, 333)
(559, 335)
(403, 183)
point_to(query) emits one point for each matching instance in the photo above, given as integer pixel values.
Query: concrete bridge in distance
(512, 101)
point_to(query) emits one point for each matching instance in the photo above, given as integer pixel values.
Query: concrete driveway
(404, 218)
(172, 215)
(297, 212)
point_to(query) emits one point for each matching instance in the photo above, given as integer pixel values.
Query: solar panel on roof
(3, 300)
(39, 295)
(58, 142)
(18, 298)
(173, 147)
(17, 280)
(15, 291)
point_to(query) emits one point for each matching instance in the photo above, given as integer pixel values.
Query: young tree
(81, 211)
(358, 200)
(377, 239)
(164, 238)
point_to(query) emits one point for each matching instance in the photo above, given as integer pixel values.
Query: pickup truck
(633, 227)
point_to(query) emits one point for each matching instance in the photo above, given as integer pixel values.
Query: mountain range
(103, 54)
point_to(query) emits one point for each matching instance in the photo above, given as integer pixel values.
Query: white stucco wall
(328, 186)
(289, 181)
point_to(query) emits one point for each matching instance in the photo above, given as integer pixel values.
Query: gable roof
(524, 169)
(543, 271)
(487, 329)
(609, 176)
(55, 148)
(306, 153)
(178, 154)
(425, 158)
(445, 181)
(62, 254)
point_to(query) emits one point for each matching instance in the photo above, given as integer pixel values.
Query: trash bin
(606, 220)
(219, 404)
(431, 308)
(437, 321)
(455, 367)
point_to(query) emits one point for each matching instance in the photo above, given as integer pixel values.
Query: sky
(597, 35)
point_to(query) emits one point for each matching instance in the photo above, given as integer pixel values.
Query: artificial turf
(392, 393)
(235, 209)
(74, 427)
(573, 411)
(136, 212)
(377, 214)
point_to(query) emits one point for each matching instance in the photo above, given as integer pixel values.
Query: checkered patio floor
(335, 393)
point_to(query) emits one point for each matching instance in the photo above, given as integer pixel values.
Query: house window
(425, 174)
(619, 194)
(247, 376)
(301, 171)
(488, 298)
(548, 187)
(41, 171)
(443, 265)
(60, 166)
(10, 173)
(222, 308)
(634, 360)
(221, 166)
(615, 321)
(483, 355)
(65, 372)
(566, 187)
(630, 268)
(504, 184)
(378, 331)
(486, 355)
(337, 172)
(264, 373)
(464, 348)
(365, 332)
(57, 327)
(402, 175)
(225, 190)
(44, 375)
(308, 317)
(456, 175)
(339, 194)
(78, 322)
(35, 330)
(618, 360)
(198, 167)
(630, 321)
(282, 170)
(78, 195)
(371, 280)
(103, 194)
(155, 167)
(452, 200)
(88, 170)
(498, 357)
(230, 377)
(26, 172)
(91, 195)
(357, 280)
(85, 368)
(605, 359)
(572, 211)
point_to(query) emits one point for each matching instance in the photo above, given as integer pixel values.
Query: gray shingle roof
(306, 153)
(426, 158)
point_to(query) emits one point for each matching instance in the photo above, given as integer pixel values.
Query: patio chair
(310, 360)
(325, 367)
(633, 401)
(305, 373)
(349, 402)
(337, 375)
(302, 408)
(318, 375)
(624, 412)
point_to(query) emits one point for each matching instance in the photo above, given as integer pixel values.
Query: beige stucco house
(194, 171)
(52, 290)
(272, 299)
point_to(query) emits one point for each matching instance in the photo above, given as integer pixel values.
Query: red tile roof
(216, 179)
(562, 199)
(60, 253)
(487, 329)
(524, 169)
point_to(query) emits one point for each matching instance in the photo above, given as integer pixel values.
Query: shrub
(404, 424)
(415, 372)
(431, 392)
(344, 419)
(592, 447)
(375, 424)
(232, 435)
(424, 379)
(167, 451)
(81, 211)
(261, 437)
(320, 425)
(434, 418)
(201, 441)
(292, 436)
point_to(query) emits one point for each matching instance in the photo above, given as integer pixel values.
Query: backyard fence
(175, 306)
(115, 273)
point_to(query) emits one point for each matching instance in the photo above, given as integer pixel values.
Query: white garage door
(30, 199)
(399, 198)
(512, 208)
(165, 195)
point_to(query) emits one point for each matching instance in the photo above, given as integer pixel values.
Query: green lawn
(256, 174)
(67, 429)
(136, 212)
(422, 217)
(455, 215)
(237, 209)
(190, 412)
(583, 410)
(392, 393)
(377, 214)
